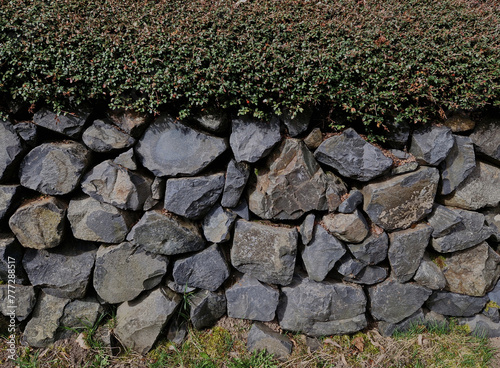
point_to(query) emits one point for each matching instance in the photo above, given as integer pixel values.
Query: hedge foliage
(379, 61)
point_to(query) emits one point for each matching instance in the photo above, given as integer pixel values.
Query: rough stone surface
(102, 136)
(443, 220)
(21, 305)
(458, 165)
(388, 329)
(206, 270)
(213, 121)
(127, 160)
(299, 123)
(262, 337)
(430, 275)
(369, 275)
(139, 322)
(217, 224)
(130, 122)
(474, 271)
(169, 148)
(165, 234)
(335, 189)
(482, 326)
(7, 198)
(54, 168)
(349, 267)
(492, 218)
(306, 229)
(264, 251)
(352, 202)
(134, 270)
(407, 249)
(242, 210)
(114, 184)
(28, 132)
(405, 168)
(79, 314)
(251, 140)
(431, 145)
(71, 124)
(64, 271)
(459, 122)
(11, 149)
(193, 197)
(10, 250)
(237, 175)
(322, 308)
(486, 138)
(39, 224)
(92, 220)
(349, 227)
(480, 189)
(400, 201)
(291, 184)
(373, 249)
(314, 139)
(492, 313)
(352, 156)
(249, 299)
(392, 301)
(206, 307)
(455, 305)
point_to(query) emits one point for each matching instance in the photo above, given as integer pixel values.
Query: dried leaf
(359, 343)
(331, 342)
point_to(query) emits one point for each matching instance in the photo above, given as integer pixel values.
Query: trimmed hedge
(381, 62)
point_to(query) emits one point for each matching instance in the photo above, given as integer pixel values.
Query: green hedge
(379, 61)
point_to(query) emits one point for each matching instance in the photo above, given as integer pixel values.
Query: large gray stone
(443, 220)
(322, 308)
(249, 299)
(352, 156)
(217, 224)
(206, 307)
(400, 201)
(131, 122)
(206, 270)
(64, 271)
(7, 198)
(307, 228)
(111, 183)
(406, 250)
(11, 253)
(431, 145)
(17, 300)
(373, 249)
(11, 149)
(169, 148)
(349, 227)
(430, 275)
(392, 301)
(296, 123)
(166, 234)
(352, 202)
(54, 168)
(458, 165)
(70, 124)
(193, 197)
(480, 189)
(237, 175)
(482, 326)
(349, 267)
(40, 224)
(251, 140)
(92, 220)
(369, 275)
(139, 322)
(102, 136)
(264, 251)
(486, 138)
(27, 131)
(261, 337)
(455, 305)
(123, 271)
(321, 254)
(289, 185)
(79, 315)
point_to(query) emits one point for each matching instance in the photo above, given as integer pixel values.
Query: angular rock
(41, 329)
(349, 227)
(335, 189)
(373, 249)
(251, 140)
(242, 210)
(474, 271)
(480, 189)
(459, 122)
(102, 136)
(406, 250)
(215, 122)
(71, 124)
(492, 218)
(54, 168)
(79, 315)
(322, 308)
(494, 295)
(193, 197)
(350, 267)
(443, 220)
(169, 148)
(249, 299)
(39, 224)
(11, 253)
(482, 326)
(127, 160)
(469, 232)
(392, 301)
(369, 275)
(297, 123)
(7, 197)
(139, 322)
(166, 234)
(63, 272)
(217, 224)
(458, 165)
(431, 145)
(402, 155)
(177, 330)
(291, 184)
(236, 179)
(11, 149)
(111, 183)
(306, 230)
(131, 122)
(388, 328)
(262, 338)
(486, 138)
(264, 251)
(455, 305)
(430, 275)
(405, 168)
(492, 313)
(206, 270)
(352, 202)
(141, 271)
(28, 132)
(352, 156)
(314, 139)
(400, 201)
(206, 307)
(20, 301)
(92, 220)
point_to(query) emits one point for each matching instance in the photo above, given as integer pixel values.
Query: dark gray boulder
(352, 202)
(369, 275)
(54, 168)
(127, 160)
(486, 138)
(79, 315)
(443, 220)
(261, 337)
(193, 197)
(206, 307)
(11, 253)
(103, 136)
(11, 149)
(494, 295)
(170, 148)
(296, 123)
(431, 145)
(348, 266)
(456, 305)
(352, 156)
(430, 275)
(237, 175)
(458, 165)
(388, 328)
(21, 305)
(306, 229)
(373, 249)
(28, 132)
(241, 210)
(217, 224)
(349, 227)
(7, 198)
(71, 124)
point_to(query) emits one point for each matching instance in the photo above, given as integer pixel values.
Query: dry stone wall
(261, 220)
